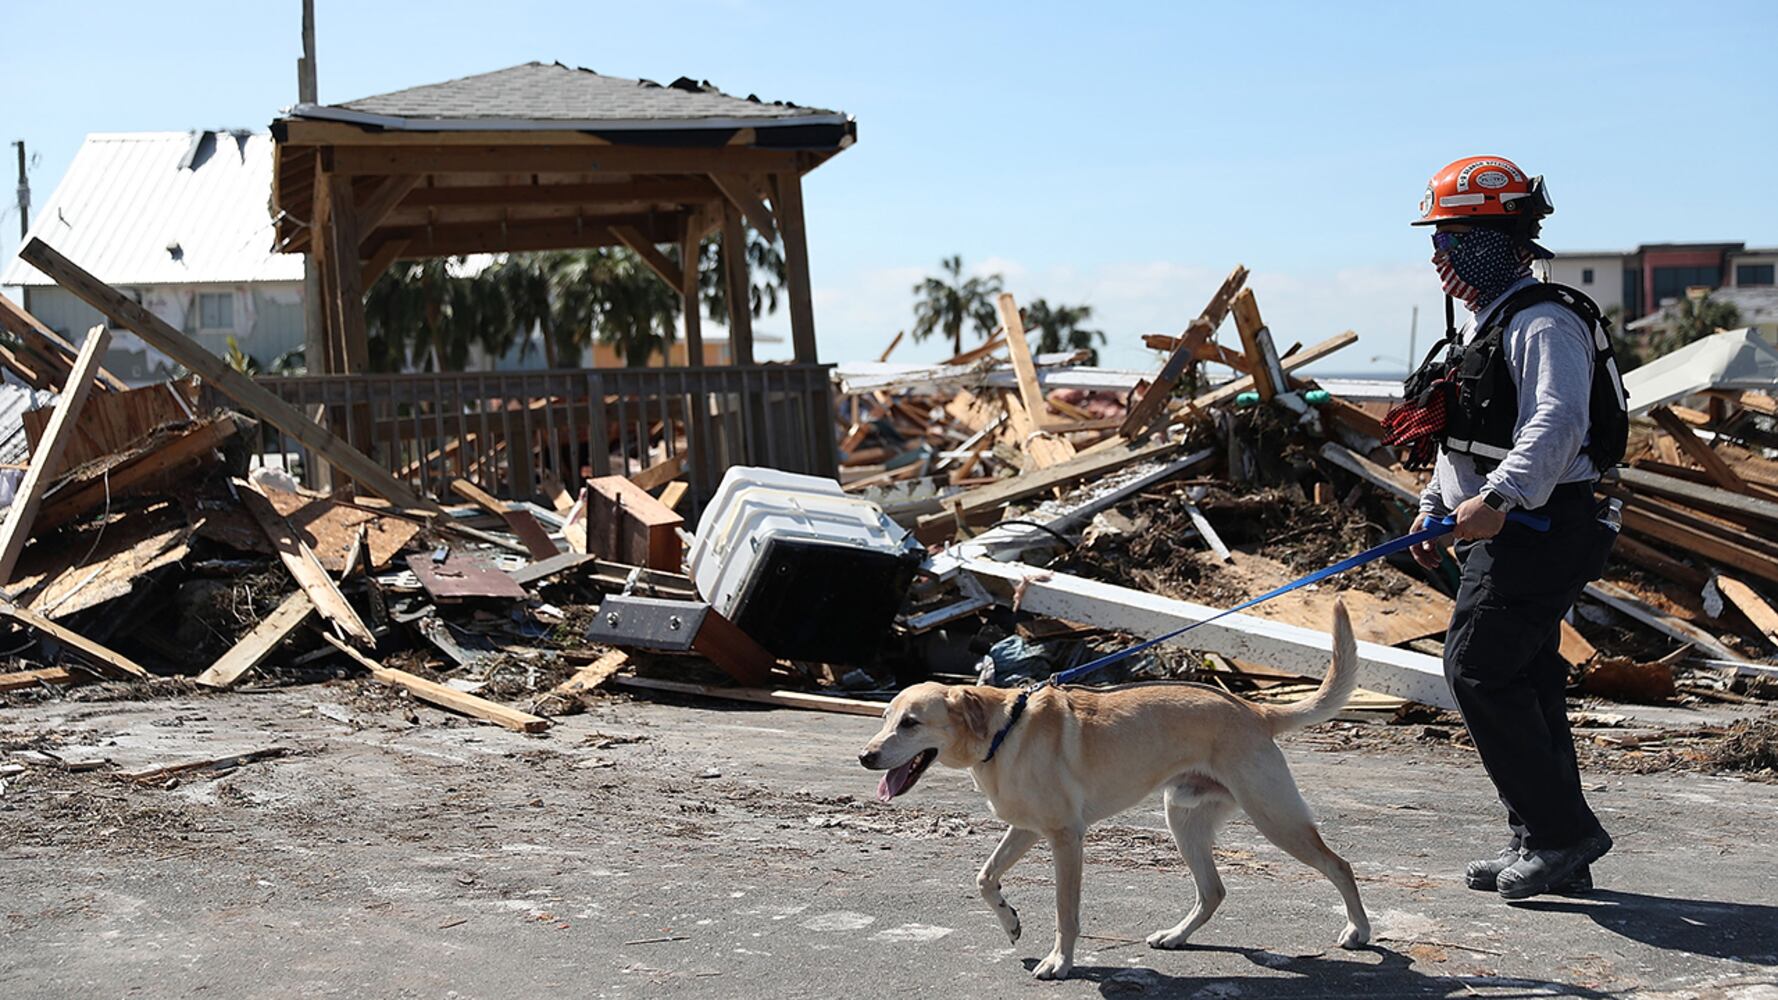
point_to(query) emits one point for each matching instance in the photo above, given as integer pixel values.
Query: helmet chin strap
(1450, 318)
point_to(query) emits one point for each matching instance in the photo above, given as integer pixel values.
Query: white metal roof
(1733, 359)
(164, 208)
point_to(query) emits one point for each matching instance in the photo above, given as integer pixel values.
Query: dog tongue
(895, 782)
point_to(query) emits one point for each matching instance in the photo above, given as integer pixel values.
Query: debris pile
(997, 519)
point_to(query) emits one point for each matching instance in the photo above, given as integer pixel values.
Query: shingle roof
(560, 96)
(158, 208)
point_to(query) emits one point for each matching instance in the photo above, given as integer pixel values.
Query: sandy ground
(652, 849)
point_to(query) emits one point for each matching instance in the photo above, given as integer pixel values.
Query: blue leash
(1434, 529)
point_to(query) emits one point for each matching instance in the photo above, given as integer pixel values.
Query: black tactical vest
(1485, 406)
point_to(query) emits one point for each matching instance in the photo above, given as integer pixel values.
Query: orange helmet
(1484, 187)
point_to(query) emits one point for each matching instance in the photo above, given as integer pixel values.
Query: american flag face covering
(1478, 265)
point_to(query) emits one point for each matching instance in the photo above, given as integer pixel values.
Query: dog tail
(1336, 688)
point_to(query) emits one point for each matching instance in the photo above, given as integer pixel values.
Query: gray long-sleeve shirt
(1549, 352)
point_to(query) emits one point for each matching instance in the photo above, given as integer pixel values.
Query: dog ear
(974, 709)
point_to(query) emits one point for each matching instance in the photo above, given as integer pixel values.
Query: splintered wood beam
(1197, 333)
(658, 262)
(523, 525)
(445, 696)
(72, 501)
(1699, 451)
(994, 342)
(47, 459)
(85, 648)
(1699, 542)
(51, 356)
(673, 493)
(1628, 604)
(1023, 365)
(303, 565)
(161, 336)
(588, 678)
(259, 643)
(1256, 342)
(664, 471)
(1306, 356)
(893, 344)
(1750, 604)
(740, 192)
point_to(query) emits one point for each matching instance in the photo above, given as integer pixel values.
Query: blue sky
(1121, 155)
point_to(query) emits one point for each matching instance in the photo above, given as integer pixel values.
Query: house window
(1754, 274)
(1586, 275)
(216, 311)
(1671, 282)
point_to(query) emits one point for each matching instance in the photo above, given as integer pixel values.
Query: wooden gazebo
(552, 157)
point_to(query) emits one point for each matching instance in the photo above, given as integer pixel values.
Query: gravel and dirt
(659, 849)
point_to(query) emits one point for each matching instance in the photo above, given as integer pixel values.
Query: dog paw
(1009, 922)
(1056, 966)
(1355, 937)
(1170, 939)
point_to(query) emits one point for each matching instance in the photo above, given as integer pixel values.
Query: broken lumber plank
(443, 695)
(208, 765)
(783, 699)
(304, 567)
(1573, 646)
(995, 341)
(626, 524)
(1698, 450)
(1024, 368)
(1629, 605)
(89, 650)
(1256, 342)
(1041, 447)
(1392, 671)
(523, 525)
(259, 643)
(673, 493)
(52, 356)
(588, 678)
(1698, 494)
(543, 569)
(1370, 472)
(1290, 363)
(1208, 533)
(21, 679)
(47, 458)
(1197, 333)
(999, 494)
(1699, 542)
(1649, 557)
(163, 337)
(1749, 603)
(664, 471)
(65, 505)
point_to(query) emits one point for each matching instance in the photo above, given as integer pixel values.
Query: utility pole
(24, 213)
(314, 336)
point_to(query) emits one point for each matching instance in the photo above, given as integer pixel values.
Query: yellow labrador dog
(1076, 756)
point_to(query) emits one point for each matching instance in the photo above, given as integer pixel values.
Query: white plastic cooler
(809, 571)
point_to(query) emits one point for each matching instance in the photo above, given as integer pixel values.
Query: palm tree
(765, 266)
(1061, 328)
(947, 302)
(638, 312)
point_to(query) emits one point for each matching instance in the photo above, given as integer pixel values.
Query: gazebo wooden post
(788, 203)
(690, 238)
(335, 240)
(739, 287)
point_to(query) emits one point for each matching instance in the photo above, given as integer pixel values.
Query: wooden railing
(502, 430)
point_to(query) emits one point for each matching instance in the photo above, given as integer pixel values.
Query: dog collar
(1018, 709)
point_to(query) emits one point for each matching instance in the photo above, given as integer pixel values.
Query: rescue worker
(1525, 411)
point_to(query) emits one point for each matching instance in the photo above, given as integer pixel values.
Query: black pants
(1502, 662)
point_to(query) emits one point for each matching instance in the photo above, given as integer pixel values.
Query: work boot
(1550, 870)
(1483, 875)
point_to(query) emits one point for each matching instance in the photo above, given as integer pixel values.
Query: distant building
(180, 220)
(1639, 282)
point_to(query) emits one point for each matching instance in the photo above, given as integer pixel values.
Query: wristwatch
(1495, 500)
